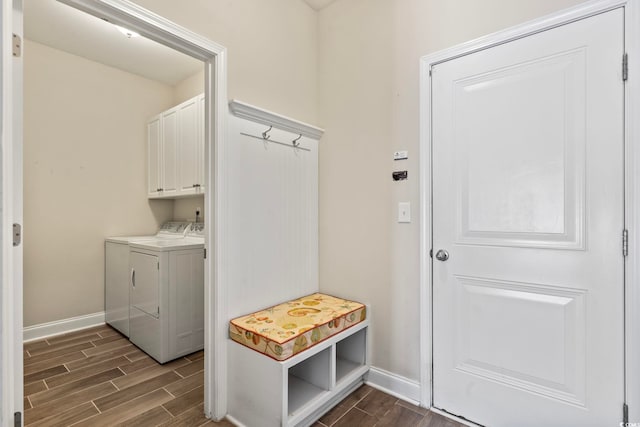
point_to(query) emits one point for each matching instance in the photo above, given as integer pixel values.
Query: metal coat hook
(265, 134)
(295, 141)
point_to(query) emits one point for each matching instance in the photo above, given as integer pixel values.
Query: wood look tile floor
(96, 377)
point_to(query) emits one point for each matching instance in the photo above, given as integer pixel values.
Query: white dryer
(116, 295)
(167, 295)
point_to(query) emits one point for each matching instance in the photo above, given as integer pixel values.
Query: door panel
(531, 193)
(169, 162)
(188, 148)
(528, 201)
(154, 161)
(145, 289)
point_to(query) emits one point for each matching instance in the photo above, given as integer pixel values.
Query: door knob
(442, 255)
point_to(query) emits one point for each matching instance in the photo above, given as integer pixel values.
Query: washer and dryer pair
(154, 289)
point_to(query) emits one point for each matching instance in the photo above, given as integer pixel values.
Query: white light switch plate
(404, 212)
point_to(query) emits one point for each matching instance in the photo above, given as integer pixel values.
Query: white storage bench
(323, 362)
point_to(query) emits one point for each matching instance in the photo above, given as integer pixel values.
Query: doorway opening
(212, 79)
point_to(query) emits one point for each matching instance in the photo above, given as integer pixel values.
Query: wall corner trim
(259, 115)
(395, 385)
(45, 330)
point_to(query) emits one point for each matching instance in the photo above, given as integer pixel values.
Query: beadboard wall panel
(273, 218)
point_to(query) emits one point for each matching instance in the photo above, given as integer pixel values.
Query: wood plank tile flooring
(96, 377)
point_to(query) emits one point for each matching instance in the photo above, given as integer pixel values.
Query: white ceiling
(62, 27)
(318, 4)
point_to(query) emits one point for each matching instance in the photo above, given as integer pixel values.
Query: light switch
(404, 212)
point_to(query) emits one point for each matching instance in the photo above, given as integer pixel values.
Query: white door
(11, 391)
(188, 147)
(154, 156)
(200, 144)
(528, 202)
(145, 283)
(169, 170)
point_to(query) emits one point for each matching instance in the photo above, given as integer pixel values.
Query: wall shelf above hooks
(258, 115)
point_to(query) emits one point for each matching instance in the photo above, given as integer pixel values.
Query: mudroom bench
(291, 363)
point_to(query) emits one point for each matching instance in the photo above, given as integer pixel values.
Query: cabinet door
(169, 170)
(200, 158)
(145, 283)
(154, 156)
(188, 147)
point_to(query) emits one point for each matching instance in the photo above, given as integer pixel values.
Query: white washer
(167, 295)
(116, 278)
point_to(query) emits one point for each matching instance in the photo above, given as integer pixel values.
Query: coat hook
(295, 141)
(265, 134)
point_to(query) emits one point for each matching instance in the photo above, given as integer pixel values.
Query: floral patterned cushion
(287, 329)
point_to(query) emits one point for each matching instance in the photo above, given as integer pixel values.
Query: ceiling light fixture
(127, 32)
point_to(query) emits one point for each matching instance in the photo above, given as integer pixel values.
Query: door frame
(11, 379)
(631, 182)
(214, 57)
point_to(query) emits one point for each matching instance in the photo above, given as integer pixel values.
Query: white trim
(58, 327)
(259, 115)
(395, 385)
(632, 181)
(234, 421)
(632, 212)
(150, 25)
(454, 418)
(155, 27)
(11, 389)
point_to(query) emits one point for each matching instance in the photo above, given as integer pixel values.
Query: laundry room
(320, 213)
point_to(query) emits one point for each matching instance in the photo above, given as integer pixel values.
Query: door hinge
(17, 419)
(431, 253)
(158, 265)
(625, 414)
(17, 46)
(17, 234)
(625, 67)
(625, 242)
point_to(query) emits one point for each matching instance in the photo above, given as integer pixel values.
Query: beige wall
(272, 48)
(84, 176)
(369, 52)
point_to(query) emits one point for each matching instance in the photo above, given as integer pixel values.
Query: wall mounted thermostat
(400, 155)
(399, 175)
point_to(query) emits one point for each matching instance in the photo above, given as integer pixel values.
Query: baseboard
(45, 330)
(395, 385)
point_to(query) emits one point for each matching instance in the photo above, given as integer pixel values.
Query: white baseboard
(395, 385)
(45, 330)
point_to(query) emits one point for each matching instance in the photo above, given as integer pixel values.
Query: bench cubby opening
(299, 390)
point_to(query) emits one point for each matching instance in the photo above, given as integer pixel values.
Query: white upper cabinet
(176, 151)
(154, 157)
(170, 143)
(200, 146)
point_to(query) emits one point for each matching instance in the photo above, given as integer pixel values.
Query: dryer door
(145, 283)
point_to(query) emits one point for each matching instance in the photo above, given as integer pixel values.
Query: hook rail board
(250, 112)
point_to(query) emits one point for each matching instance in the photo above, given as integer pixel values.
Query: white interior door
(528, 201)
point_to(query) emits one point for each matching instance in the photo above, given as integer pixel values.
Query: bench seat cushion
(287, 329)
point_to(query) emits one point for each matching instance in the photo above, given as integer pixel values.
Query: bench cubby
(296, 392)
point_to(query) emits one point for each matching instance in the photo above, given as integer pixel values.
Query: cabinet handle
(194, 185)
(133, 277)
